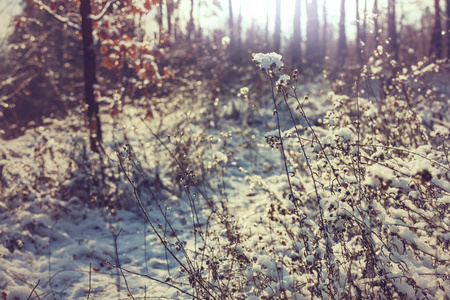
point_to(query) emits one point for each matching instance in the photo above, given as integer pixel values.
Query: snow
(70, 217)
(270, 63)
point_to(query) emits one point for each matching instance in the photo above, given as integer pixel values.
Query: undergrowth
(351, 204)
(360, 213)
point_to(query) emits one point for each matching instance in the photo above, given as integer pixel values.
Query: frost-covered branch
(103, 12)
(58, 17)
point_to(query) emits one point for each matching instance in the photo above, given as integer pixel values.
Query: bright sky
(257, 10)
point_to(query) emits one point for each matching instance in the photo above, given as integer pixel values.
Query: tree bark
(267, 24)
(277, 33)
(375, 22)
(191, 27)
(392, 31)
(169, 16)
(238, 49)
(297, 35)
(312, 32)
(160, 20)
(447, 35)
(436, 44)
(324, 30)
(90, 77)
(342, 44)
(358, 35)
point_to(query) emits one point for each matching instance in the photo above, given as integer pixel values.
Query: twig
(58, 17)
(89, 290)
(49, 258)
(34, 288)
(118, 263)
(161, 239)
(159, 281)
(103, 12)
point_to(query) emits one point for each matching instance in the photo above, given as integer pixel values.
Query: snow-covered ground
(223, 220)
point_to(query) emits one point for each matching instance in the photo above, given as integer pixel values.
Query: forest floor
(68, 217)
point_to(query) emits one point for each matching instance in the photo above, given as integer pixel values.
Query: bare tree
(170, 8)
(436, 45)
(160, 19)
(324, 29)
(90, 76)
(376, 27)
(392, 31)
(342, 44)
(267, 24)
(191, 26)
(312, 32)
(364, 30)
(277, 33)
(230, 18)
(358, 35)
(448, 26)
(237, 56)
(297, 35)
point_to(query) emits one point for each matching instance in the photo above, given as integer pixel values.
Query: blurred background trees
(136, 45)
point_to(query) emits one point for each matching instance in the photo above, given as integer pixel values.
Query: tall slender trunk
(267, 24)
(160, 20)
(169, 16)
(95, 132)
(312, 32)
(191, 27)
(436, 37)
(358, 34)
(324, 29)
(376, 27)
(342, 44)
(447, 35)
(239, 35)
(364, 29)
(277, 33)
(297, 35)
(392, 30)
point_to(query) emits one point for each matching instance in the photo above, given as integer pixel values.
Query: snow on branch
(58, 17)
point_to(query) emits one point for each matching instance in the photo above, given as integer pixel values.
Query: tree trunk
(375, 22)
(358, 35)
(267, 25)
(231, 19)
(176, 29)
(160, 20)
(448, 27)
(297, 36)
(169, 16)
(324, 30)
(392, 31)
(312, 32)
(239, 35)
(190, 29)
(342, 44)
(364, 30)
(90, 77)
(436, 37)
(277, 33)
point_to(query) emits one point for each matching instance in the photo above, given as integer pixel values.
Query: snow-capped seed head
(226, 41)
(270, 63)
(284, 80)
(295, 75)
(244, 91)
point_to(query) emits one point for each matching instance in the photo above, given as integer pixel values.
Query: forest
(213, 149)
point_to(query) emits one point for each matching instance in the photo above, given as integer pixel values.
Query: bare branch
(58, 17)
(29, 297)
(103, 12)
